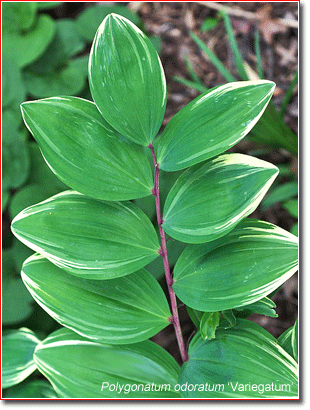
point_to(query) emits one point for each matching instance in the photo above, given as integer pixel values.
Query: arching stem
(163, 251)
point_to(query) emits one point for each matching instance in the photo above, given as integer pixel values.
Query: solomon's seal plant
(93, 243)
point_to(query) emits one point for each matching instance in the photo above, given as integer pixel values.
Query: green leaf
(264, 306)
(209, 23)
(294, 229)
(11, 122)
(66, 43)
(90, 19)
(81, 64)
(36, 389)
(212, 57)
(40, 173)
(16, 301)
(95, 160)
(274, 132)
(18, 16)
(19, 253)
(87, 237)
(208, 200)
(230, 317)
(78, 367)
(5, 198)
(212, 123)
(156, 42)
(27, 196)
(192, 72)
(292, 207)
(295, 340)
(289, 94)
(13, 90)
(284, 169)
(285, 341)
(127, 80)
(199, 87)
(242, 267)
(244, 361)
(25, 48)
(259, 65)
(280, 193)
(43, 5)
(208, 324)
(195, 316)
(238, 60)
(17, 356)
(69, 79)
(118, 311)
(289, 341)
(147, 205)
(15, 157)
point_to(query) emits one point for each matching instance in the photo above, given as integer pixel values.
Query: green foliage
(264, 306)
(17, 305)
(139, 97)
(87, 237)
(209, 23)
(281, 193)
(38, 389)
(208, 324)
(17, 355)
(45, 5)
(13, 90)
(271, 129)
(25, 45)
(15, 158)
(244, 355)
(53, 122)
(99, 310)
(101, 365)
(18, 16)
(208, 201)
(61, 68)
(87, 22)
(289, 94)
(55, 72)
(215, 121)
(91, 270)
(289, 341)
(214, 276)
(292, 207)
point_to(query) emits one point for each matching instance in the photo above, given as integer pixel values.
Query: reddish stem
(163, 252)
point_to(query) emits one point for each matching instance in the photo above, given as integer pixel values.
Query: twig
(163, 251)
(246, 14)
